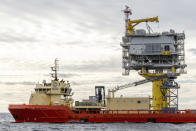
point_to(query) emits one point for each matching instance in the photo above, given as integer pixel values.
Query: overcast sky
(85, 36)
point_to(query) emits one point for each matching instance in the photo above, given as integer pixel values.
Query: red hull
(37, 113)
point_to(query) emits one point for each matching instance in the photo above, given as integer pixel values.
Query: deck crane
(133, 23)
(130, 24)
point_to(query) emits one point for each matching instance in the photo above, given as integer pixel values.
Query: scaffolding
(169, 89)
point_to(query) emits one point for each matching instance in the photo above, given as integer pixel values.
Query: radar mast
(55, 69)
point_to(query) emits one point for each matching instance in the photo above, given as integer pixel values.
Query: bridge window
(167, 48)
(62, 89)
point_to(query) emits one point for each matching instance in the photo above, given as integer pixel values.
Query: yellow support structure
(157, 97)
(133, 23)
(158, 100)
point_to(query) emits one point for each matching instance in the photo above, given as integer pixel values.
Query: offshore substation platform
(158, 57)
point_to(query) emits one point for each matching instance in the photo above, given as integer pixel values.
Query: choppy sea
(7, 124)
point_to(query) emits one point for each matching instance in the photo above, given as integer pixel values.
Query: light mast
(127, 12)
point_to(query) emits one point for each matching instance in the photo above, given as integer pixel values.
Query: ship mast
(55, 69)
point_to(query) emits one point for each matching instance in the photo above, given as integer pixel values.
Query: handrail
(137, 111)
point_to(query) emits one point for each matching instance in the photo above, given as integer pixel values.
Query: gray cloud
(9, 37)
(77, 83)
(18, 83)
(105, 65)
(66, 75)
(187, 81)
(105, 15)
(12, 76)
(193, 50)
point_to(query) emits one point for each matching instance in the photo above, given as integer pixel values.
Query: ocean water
(7, 124)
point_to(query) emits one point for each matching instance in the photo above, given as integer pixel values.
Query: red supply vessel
(61, 114)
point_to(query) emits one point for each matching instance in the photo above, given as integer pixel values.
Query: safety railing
(135, 111)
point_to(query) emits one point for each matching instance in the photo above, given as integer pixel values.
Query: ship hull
(63, 114)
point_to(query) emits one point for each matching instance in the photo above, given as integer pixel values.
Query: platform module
(154, 55)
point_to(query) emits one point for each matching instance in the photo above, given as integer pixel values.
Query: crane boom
(120, 87)
(133, 23)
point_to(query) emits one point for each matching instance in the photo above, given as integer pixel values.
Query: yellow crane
(133, 23)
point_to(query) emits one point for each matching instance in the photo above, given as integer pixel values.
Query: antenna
(55, 68)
